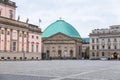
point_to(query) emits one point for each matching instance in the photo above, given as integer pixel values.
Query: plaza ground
(60, 70)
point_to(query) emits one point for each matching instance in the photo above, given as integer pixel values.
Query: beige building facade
(105, 43)
(60, 46)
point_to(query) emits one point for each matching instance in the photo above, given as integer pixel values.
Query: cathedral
(60, 40)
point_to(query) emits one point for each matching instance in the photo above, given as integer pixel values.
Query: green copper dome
(60, 26)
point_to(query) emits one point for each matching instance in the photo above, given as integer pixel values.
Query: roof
(60, 26)
(86, 40)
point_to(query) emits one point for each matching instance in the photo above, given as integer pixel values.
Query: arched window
(47, 54)
(59, 53)
(71, 53)
(32, 46)
(37, 47)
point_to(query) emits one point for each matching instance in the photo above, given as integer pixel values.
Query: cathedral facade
(61, 41)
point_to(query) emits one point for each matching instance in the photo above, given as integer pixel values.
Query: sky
(84, 15)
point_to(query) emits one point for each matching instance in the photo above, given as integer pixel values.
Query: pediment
(59, 36)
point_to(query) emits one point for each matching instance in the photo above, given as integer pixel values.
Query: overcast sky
(84, 15)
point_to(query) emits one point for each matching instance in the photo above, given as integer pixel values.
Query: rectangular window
(10, 14)
(108, 40)
(37, 37)
(103, 47)
(93, 54)
(115, 47)
(115, 40)
(14, 44)
(103, 39)
(97, 41)
(93, 47)
(103, 54)
(92, 40)
(97, 47)
(37, 46)
(109, 47)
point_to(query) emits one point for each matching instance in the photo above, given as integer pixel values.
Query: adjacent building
(18, 40)
(105, 43)
(85, 48)
(60, 40)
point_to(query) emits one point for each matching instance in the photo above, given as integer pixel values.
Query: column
(5, 43)
(27, 42)
(23, 41)
(11, 39)
(0, 38)
(18, 40)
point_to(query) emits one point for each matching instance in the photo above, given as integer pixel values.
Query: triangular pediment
(59, 36)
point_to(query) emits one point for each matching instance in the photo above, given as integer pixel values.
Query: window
(115, 47)
(14, 57)
(108, 40)
(37, 58)
(109, 47)
(20, 58)
(92, 40)
(32, 58)
(2, 57)
(71, 53)
(32, 47)
(93, 47)
(97, 41)
(10, 14)
(8, 57)
(37, 37)
(103, 47)
(93, 54)
(115, 40)
(59, 53)
(37, 47)
(25, 58)
(97, 47)
(8, 32)
(14, 44)
(97, 53)
(103, 54)
(2, 32)
(32, 37)
(102, 39)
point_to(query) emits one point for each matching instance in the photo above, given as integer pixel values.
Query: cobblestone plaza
(60, 70)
